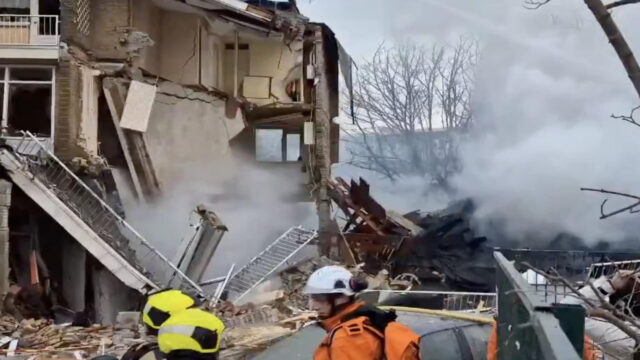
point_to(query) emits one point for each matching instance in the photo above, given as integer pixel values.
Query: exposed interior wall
(228, 66)
(275, 59)
(148, 18)
(211, 57)
(180, 47)
(182, 133)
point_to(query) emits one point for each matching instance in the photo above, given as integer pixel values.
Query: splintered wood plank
(116, 107)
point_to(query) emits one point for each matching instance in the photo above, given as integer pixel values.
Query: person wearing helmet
(192, 334)
(161, 305)
(355, 330)
(158, 308)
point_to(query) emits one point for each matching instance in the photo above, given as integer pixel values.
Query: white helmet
(329, 280)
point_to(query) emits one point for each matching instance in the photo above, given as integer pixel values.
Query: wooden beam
(116, 106)
(139, 153)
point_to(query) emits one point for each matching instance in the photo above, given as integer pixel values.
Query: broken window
(275, 145)
(27, 94)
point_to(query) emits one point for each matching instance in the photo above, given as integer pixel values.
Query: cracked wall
(179, 128)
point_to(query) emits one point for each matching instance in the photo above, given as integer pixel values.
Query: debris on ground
(448, 246)
(43, 337)
(437, 247)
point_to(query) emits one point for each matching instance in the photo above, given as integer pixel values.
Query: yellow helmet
(162, 305)
(191, 330)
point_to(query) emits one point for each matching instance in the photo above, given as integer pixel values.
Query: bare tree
(602, 15)
(409, 101)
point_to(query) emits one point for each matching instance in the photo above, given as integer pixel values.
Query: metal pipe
(213, 281)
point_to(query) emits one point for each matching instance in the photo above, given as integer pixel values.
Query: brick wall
(109, 22)
(68, 110)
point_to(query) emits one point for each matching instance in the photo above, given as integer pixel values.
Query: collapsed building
(104, 100)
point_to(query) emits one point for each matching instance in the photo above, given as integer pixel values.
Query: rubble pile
(438, 247)
(448, 250)
(43, 337)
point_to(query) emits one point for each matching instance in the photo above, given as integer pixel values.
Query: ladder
(268, 261)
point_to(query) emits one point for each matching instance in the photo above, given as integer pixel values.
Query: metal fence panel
(527, 327)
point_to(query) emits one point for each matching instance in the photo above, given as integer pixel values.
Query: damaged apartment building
(104, 100)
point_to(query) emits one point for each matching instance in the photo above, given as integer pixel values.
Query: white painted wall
(274, 58)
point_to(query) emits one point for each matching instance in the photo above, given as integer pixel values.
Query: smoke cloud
(547, 83)
(250, 200)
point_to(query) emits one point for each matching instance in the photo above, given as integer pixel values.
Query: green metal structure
(530, 328)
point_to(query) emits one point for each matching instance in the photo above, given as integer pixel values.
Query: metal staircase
(86, 216)
(268, 261)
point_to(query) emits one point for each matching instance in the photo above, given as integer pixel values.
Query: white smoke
(547, 83)
(254, 202)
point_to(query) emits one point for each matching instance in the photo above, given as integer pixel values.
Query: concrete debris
(43, 337)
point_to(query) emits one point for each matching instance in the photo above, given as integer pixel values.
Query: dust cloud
(547, 83)
(252, 201)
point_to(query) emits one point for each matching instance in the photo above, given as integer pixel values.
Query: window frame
(283, 146)
(7, 82)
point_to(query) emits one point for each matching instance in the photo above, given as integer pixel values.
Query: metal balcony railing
(29, 30)
(82, 200)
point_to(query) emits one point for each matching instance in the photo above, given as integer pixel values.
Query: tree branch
(630, 208)
(628, 118)
(535, 4)
(621, 3)
(617, 40)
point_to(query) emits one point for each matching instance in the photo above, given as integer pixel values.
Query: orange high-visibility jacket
(354, 339)
(591, 352)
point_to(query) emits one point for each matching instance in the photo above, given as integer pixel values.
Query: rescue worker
(355, 330)
(192, 334)
(158, 308)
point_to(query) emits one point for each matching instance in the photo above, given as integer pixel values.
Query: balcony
(29, 37)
